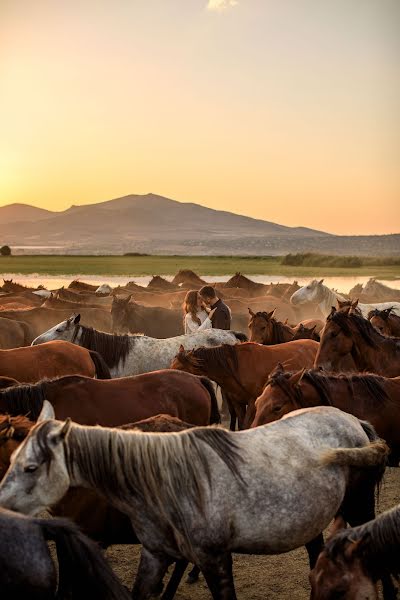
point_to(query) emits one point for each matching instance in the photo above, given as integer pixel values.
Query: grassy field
(169, 265)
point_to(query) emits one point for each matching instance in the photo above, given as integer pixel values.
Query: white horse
(128, 355)
(204, 493)
(317, 293)
(104, 289)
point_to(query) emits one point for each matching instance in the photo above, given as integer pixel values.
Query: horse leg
(314, 548)
(249, 415)
(193, 575)
(217, 571)
(175, 579)
(150, 573)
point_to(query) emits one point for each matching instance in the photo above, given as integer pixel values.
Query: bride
(195, 317)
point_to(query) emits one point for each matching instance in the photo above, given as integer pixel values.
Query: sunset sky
(286, 110)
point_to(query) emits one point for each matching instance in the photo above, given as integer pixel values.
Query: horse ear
(253, 314)
(385, 314)
(47, 412)
(66, 428)
(338, 524)
(181, 348)
(297, 377)
(333, 310)
(320, 282)
(271, 314)
(340, 303)
(279, 368)
(77, 319)
(354, 304)
(128, 299)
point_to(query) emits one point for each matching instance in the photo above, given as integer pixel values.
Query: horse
(290, 495)
(118, 401)
(134, 354)
(317, 293)
(97, 518)
(53, 359)
(40, 319)
(385, 321)
(347, 333)
(381, 291)
(154, 321)
(27, 569)
(242, 370)
(14, 334)
(265, 329)
(370, 397)
(187, 277)
(354, 560)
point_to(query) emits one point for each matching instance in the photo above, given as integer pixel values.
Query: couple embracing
(204, 310)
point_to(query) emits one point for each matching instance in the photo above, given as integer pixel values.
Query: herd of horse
(110, 419)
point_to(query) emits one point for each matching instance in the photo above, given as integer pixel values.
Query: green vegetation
(311, 259)
(131, 266)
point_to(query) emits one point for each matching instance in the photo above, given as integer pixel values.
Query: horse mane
(15, 428)
(222, 357)
(150, 467)
(367, 331)
(380, 543)
(24, 399)
(113, 348)
(378, 313)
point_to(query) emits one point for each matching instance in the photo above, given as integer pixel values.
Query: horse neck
(281, 333)
(329, 299)
(378, 358)
(77, 335)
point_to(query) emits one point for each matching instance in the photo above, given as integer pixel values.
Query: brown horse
(130, 317)
(243, 370)
(117, 401)
(346, 333)
(91, 512)
(41, 319)
(52, 359)
(267, 330)
(355, 559)
(385, 321)
(369, 397)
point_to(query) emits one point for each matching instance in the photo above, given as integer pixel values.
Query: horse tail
(242, 337)
(372, 455)
(369, 430)
(83, 570)
(215, 417)
(102, 370)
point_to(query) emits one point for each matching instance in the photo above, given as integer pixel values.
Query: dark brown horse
(368, 397)
(52, 359)
(346, 333)
(117, 401)
(355, 559)
(243, 370)
(153, 321)
(265, 329)
(385, 321)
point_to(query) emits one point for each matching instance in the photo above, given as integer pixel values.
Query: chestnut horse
(242, 370)
(117, 401)
(369, 397)
(52, 359)
(348, 333)
(354, 560)
(265, 329)
(385, 321)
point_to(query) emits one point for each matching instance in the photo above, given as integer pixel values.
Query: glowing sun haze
(286, 111)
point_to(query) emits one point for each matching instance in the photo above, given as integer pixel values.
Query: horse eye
(59, 330)
(277, 408)
(30, 468)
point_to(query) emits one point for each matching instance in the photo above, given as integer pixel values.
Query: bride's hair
(190, 306)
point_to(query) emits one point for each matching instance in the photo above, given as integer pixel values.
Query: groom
(221, 318)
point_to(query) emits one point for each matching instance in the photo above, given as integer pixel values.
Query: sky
(282, 110)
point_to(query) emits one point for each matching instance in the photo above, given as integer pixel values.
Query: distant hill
(14, 213)
(154, 224)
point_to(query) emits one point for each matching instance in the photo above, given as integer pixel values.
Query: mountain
(154, 224)
(14, 213)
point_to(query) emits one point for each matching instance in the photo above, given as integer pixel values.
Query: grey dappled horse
(201, 494)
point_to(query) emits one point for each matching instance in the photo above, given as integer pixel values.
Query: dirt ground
(256, 577)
